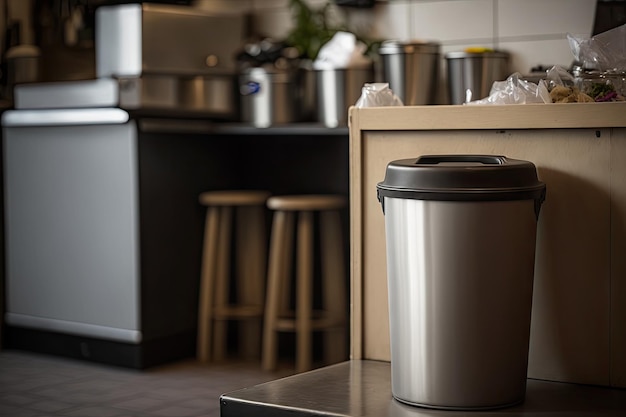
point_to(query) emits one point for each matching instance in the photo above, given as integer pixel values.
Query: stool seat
(233, 198)
(235, 221)
(297, 215)
(306, 202)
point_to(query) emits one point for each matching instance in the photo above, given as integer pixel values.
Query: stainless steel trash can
(460, 233)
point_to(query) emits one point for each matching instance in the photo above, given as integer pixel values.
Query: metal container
(170, 58)
(412, 70)
(208, 96)
(460, 233)
(211, 95)
(337, 90)
(269, 97)
(471, 75)
(133, 39)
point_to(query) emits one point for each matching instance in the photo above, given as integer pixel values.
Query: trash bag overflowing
(598, 76)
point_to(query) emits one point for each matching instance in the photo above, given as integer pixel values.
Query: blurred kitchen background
(113, 144)
(137, 68)
(533, 32)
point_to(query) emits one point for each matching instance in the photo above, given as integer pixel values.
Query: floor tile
(33, 385)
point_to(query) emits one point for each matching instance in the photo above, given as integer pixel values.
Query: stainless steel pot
(412, 70)
(337, 90)
(471, 75)
(268, 97)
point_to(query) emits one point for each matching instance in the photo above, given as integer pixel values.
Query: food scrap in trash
(562, 94)
(604, 92)
(597, 93)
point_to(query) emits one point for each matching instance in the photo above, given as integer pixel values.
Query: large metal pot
(412, 70)
(471, 74)
(268, 96)
(337, 90)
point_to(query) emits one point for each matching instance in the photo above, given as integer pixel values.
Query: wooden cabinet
(578, 331)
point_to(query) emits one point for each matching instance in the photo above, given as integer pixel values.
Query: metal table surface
(363, 388)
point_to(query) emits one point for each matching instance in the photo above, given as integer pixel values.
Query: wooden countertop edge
(521, 116)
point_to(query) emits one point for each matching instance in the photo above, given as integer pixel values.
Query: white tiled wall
(453, 21)
(544, 17)
(533, 31)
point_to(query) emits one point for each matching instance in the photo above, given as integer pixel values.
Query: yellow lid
(477, 50)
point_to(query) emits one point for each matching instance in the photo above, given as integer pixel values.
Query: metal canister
(412, 70)
(472, 74)
(268, 97)
(337, 90)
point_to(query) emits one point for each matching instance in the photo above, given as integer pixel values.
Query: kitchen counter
(146, 254)
(153, 122)
(578, 329)
(576, 362)
(363, 388)
(474, 117)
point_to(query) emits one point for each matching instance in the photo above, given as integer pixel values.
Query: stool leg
(205, 307)
(285, 268)
(334, 283)
(221, 284)
(251, 271)
(304, 293)
(275, 277)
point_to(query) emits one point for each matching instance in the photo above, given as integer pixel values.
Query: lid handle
(482, 159)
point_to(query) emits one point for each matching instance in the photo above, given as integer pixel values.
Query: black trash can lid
(461, 178)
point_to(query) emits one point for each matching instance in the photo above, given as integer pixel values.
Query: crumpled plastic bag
(515, 90)
(377, 95)
(558, 76)
(603, 52)
(342, 51)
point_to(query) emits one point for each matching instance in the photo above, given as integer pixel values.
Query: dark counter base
(363, 389)
(138, 356)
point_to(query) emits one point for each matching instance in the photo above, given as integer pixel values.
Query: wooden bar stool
(250, 246)
(303, 321)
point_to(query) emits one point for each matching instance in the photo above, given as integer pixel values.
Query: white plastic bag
(515, 90)
(342, 51)
(603, 52)
(377, 95)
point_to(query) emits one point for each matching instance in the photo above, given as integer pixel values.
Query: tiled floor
(38, 385)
